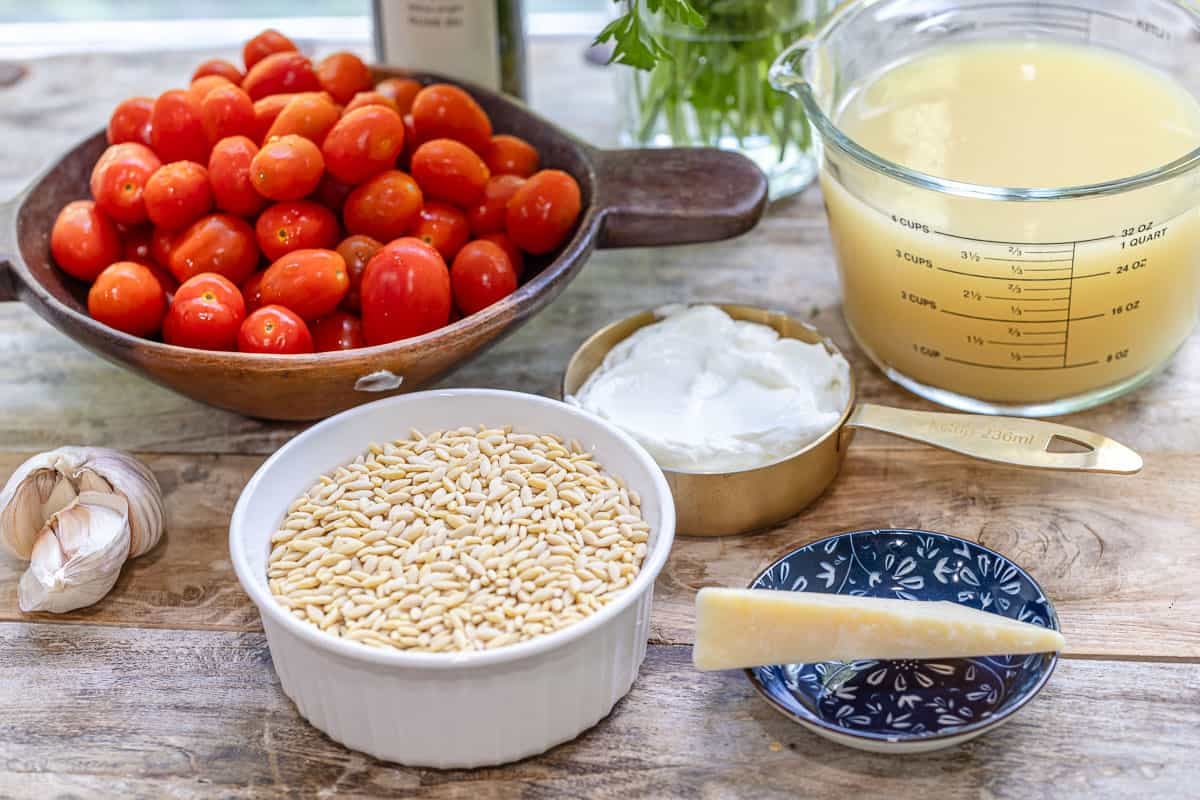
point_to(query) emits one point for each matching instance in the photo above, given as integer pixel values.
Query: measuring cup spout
(787, 72)
(1005, 440)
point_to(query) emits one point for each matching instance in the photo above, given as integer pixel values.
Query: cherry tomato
(384, 207)
(402, 91)
(252, 291)
(202, 86)
(135, 245)
(218, 66)
(490, 214)
(363, 99)
(266, 111)
(411, 143)
(543, 211)
(343, 75)
(443, 227)
(296, 225)
(177, 129)
(308, 114)
(405, 292)
(287, 168)
(338, 331)
(162, 242)
(356, 251)
(264, 44)
(332, 193)
(451, 171)
(84, 240)
(481, 275)
(309, 282)
(128, 297)
(511, 155)
(130, 121)
(218, 243)
(206, 314)
(274, 329)
(280, 73)
(119, 179)
(227, 111)
(442, 111)
(515, 256)
(178, 194)
(229, 177)
(363, 142)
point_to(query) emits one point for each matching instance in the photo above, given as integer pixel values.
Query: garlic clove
(78, 555)
(136, 483)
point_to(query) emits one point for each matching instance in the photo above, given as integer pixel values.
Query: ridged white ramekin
(452, 710)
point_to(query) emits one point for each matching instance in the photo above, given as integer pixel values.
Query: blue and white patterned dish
(910, 705)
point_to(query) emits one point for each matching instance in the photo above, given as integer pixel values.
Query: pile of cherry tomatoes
(297, 207)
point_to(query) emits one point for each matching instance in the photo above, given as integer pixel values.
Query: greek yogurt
(703, 392)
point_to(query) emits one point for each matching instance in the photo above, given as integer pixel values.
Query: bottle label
(458, 39)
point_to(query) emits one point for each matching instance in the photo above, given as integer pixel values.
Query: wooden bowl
(632, 198)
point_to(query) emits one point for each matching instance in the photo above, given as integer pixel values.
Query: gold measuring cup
(723, 503)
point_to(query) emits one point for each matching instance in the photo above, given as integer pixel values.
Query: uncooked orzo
(457, 541)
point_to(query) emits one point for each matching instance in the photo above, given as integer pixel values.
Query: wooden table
(166, 687)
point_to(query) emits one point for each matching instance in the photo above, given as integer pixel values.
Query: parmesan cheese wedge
(756, 627)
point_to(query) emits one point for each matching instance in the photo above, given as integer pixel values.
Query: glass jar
(711, 89)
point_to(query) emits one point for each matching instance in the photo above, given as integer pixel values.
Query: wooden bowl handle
(676, 196)
(8, 248)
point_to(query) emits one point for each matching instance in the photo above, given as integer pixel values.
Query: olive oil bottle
(481, 41)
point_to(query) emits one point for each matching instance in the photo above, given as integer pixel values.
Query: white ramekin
(447, 710)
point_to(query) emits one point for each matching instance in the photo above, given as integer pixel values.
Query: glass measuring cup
(990, 299)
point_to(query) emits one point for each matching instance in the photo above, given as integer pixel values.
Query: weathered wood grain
(200, 714)
(1117, 555)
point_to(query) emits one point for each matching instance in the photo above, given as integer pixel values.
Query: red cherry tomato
(177, 128)
(490, 214)
(229, 177)
(201, 87)
(252, 291)
(451, 171)
(402, 91)
(274, 329)
(281, 73)
(411, 143)
(135, 245)
(219, 243)
(442, 111)
(511, 155)
(543, 211)
(308, 114)
(384, 207)
(130, 121)
(178, 194)
(266, 111)
(343, 75)
(218, 66)
(84, 240)
(227, 111)
(206, 314)
(128, 297)
(119, 181)
(297, 225)
(162, 242)
(356, 251)
(481, 275)
(515, 256)
(309, 282)
(443, 227)
(338, 331)
(287, 168)
(364, 99)
(332, 193)
(405, 292)
(364, 142)
(264, 44)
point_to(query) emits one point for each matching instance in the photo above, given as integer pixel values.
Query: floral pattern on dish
(908, 699)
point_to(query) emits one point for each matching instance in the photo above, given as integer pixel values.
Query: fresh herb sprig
(636, 47)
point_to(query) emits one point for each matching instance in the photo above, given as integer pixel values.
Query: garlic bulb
(77, 514)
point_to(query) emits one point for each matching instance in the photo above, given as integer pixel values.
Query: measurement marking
(1047, 252)
(1081, 319)
(1025, 299)
(1047, 269)
(1028, 260)
(1067, 333)
(1006, 366)
(1022, 244)
(1026, 344)
(1003, 277)
(1049, 288)
(1047, 355)
(1043, 333)
(1021, 321)
(1075, 277)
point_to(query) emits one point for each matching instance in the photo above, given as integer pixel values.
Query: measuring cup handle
(1004, 440)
